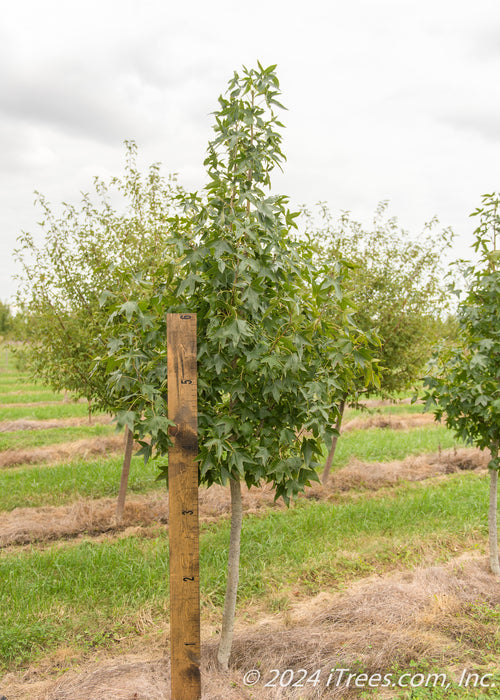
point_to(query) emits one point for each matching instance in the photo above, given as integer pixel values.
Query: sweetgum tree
(463, 384)
(270, 357)
(119, 226)
(396, 284)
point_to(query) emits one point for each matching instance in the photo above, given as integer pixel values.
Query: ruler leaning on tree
(183, 508)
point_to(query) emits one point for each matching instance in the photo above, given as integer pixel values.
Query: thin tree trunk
(129, 444)
(492, 523)
(331, 454)
(233, 572)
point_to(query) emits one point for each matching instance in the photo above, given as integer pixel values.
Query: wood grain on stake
(183, 508)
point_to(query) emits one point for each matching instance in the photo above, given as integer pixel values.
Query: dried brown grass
(36, 404)
(65, 451)
(26, 525)
(133, 680)
(376, 625)
(375, 403)
(390, 421)
(376, 475)
(382, 622)
(131, 677)
(9, 426)
(94, 516)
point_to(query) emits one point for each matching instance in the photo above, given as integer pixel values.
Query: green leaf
(129, 308)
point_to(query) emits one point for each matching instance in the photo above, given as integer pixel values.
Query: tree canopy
(463, 383)
(397, 284)
(115, 235)
(119, 226)
(271, 360)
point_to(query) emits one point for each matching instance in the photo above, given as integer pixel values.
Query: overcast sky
(387, 99)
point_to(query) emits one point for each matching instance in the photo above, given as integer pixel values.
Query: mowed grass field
(384, 570)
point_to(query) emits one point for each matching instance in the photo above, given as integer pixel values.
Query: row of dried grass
(61, 452)
(10, 426)
(39, 404)
(95, 516)
(27, 525)
(375, 475)
(406, 421)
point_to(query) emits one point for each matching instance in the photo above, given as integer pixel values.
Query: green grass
(17, 383)
(397, 409)
(59, 410)
(83, 593)
(13, 376)
(17, 386)
(63, 483)
(21, 397)
(11, 371)
(314, 543)
(450, 688)
(382, 445)
(24, 439)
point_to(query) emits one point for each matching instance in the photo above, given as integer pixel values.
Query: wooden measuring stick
(183, 508)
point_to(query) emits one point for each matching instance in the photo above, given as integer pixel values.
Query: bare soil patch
(441, 613)
(25, 525)
(10, 426)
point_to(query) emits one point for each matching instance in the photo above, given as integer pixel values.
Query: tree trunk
(492, 523)
(331, 454)
(233, 571)
(129, 444)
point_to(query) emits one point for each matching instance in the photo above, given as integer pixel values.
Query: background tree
(397, 287)
(5, 319)
(121, 226)
(463, 384)
(271, 360)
